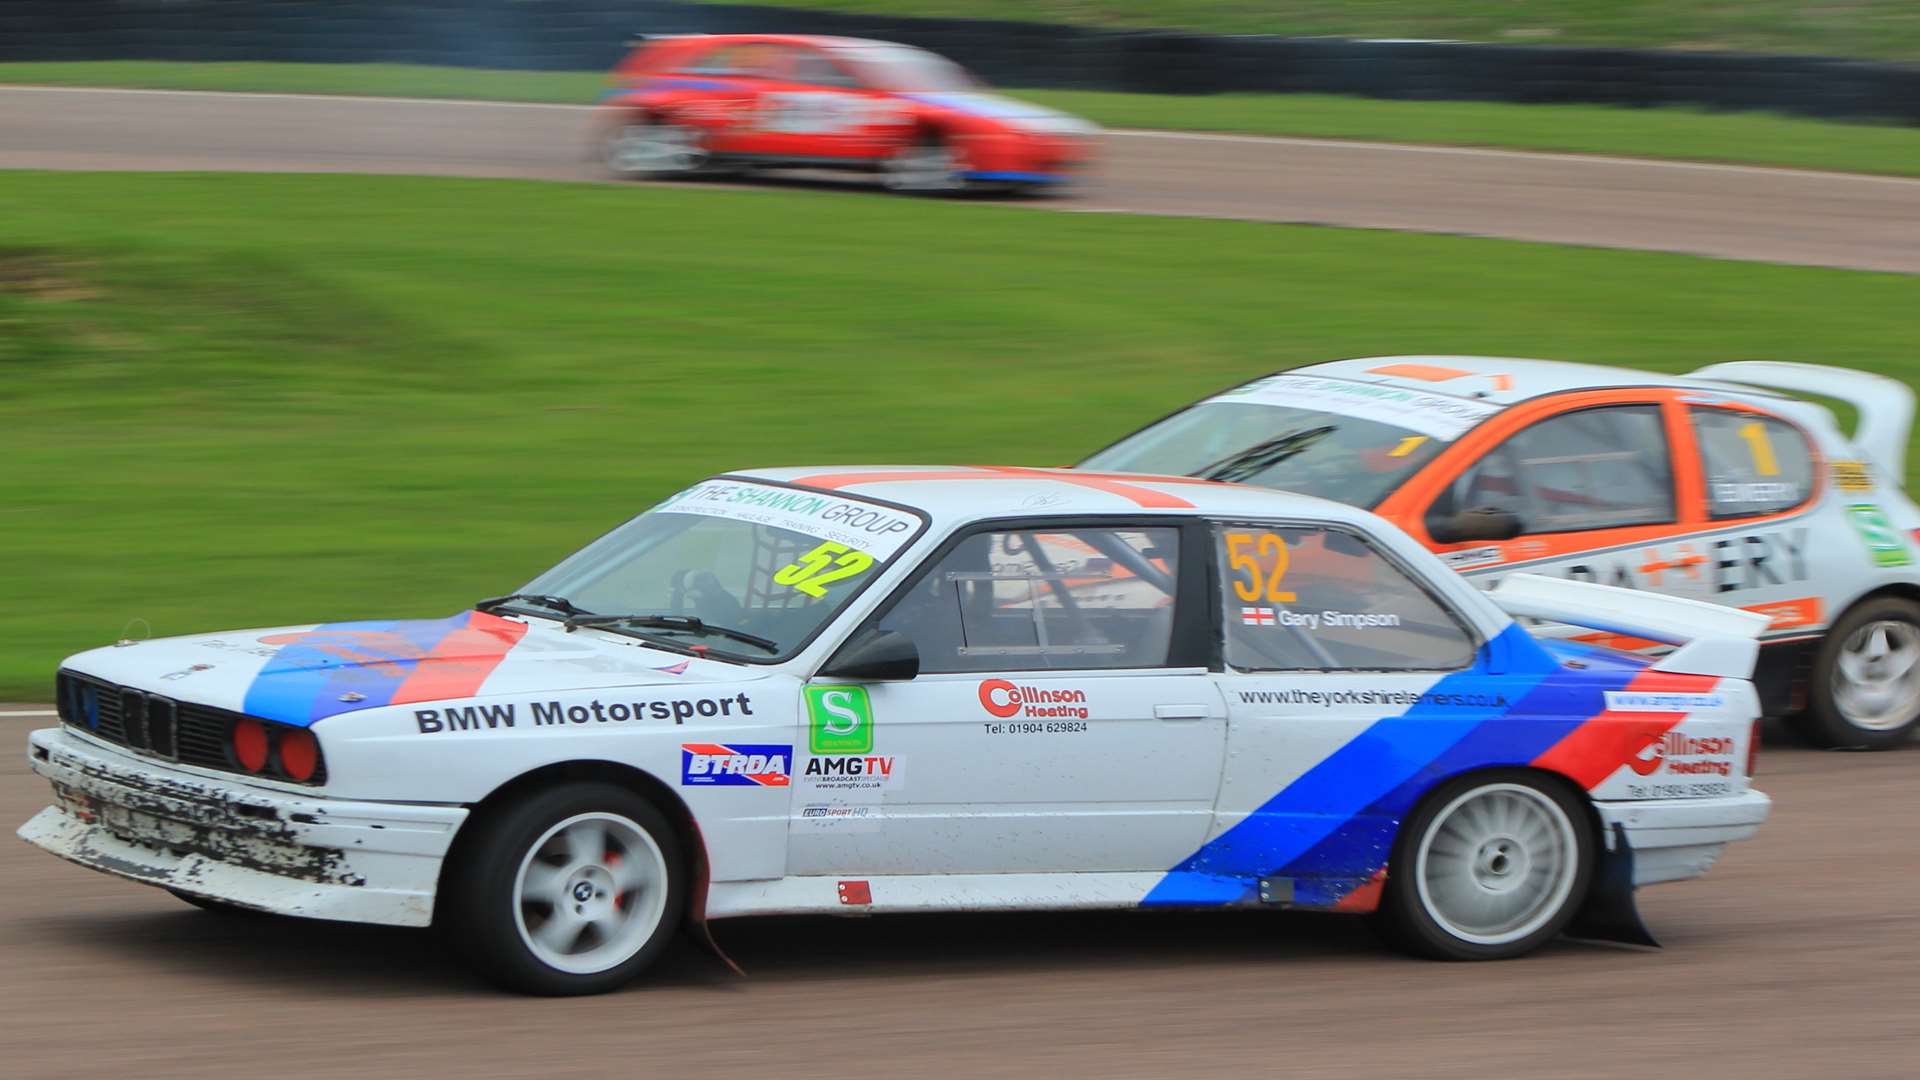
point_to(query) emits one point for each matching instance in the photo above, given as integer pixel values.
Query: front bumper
(248, 846)
(1677, 839)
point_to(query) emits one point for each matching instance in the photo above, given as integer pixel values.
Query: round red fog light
(250, 744)
(299, 753)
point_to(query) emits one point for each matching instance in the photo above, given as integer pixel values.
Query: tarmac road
(1797, 957)
(1732, 211)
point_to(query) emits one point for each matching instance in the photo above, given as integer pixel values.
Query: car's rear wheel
(926, 166)
(574, 890)
(653, 147)
(1491, 866)
(1866, 678)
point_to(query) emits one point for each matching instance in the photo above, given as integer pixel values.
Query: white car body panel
(1064, 789)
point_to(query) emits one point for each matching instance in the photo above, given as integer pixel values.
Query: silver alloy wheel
(655, 150)
(925, 166)
(1497, 863)
(1876, 684)
(590, 893)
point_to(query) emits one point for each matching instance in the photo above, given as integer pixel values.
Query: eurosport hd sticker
(735, 764)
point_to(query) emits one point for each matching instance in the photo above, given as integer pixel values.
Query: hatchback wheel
(1490, 867)
(573, 891)
(926, 167)
(1866, 678)
(654, 148)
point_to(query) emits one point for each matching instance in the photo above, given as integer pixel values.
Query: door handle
(1180, 712)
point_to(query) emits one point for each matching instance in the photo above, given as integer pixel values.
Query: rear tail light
(1753, 749)
(299, 754)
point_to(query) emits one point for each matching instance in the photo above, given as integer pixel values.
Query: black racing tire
(1836, 715)
(489, 909)
(218, 907)
(1449, 857)
(647, 147)
(927, 166)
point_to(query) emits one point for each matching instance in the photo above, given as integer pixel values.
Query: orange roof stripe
(1127, 487)
(1424, 372)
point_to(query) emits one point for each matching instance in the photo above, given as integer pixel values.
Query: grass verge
(1685, 134)
(233, 400)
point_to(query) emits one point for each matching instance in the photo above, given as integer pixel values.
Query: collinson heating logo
(1714, 755)
(1005, 699)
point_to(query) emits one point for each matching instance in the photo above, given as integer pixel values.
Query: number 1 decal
(1252, 589)
(1755, 433)
(830, 562)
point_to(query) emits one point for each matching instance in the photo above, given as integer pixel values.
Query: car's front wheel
(653, 147)
(574, 890)
(926, 166)
(1491, 866)
(1866, 678)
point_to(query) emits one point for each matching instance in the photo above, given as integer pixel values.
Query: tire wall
(591, 35)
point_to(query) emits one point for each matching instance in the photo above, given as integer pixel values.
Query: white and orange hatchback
(1716, 485)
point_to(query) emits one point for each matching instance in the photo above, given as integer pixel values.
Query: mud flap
(1610, 913)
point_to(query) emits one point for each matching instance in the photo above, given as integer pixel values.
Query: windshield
(907, 70)
(766, 561)
(1341, 439)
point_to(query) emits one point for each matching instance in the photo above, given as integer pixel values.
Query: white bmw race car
(899, 689)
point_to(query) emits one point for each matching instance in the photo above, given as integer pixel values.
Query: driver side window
(1599, 468)
(1067, 599)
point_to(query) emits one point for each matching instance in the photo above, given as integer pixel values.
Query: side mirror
(1479, 523)
(875, 656)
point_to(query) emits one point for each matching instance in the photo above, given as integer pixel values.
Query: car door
(1063, 720)
(722, 90)
(1592, 493)
(1346, 679)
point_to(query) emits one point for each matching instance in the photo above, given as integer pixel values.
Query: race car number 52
(830, 562)
(1258, 585)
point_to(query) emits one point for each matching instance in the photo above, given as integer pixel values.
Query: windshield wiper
(558, 603)
(1260, 457)
(673, 622)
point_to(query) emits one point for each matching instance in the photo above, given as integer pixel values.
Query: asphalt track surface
(1731, 211)
(1796, 957)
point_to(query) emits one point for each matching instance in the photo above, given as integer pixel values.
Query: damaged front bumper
(248, 846)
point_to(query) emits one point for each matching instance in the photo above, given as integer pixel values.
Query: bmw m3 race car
(900, 689)
(1712, 486)
(698, 104)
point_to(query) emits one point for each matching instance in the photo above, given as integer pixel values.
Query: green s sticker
(1883, 541)
(839, 720)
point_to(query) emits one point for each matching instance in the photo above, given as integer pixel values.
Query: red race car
(724, 103)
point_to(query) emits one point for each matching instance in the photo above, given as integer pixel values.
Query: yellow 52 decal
(830, 562)
(1258, 585)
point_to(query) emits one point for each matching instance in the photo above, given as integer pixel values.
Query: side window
(1038, 599)
(1754, 464)
(811, 66)
(1589, 469)
(748, 59)
(1316, 599)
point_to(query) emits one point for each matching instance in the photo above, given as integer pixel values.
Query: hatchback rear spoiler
(1712, 639)
(1885, 405)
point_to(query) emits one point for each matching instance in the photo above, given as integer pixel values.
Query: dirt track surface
(1797, 957)
(1740, 212)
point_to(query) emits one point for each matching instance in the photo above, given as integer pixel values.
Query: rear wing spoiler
(1712, 640)
(1885, 405)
